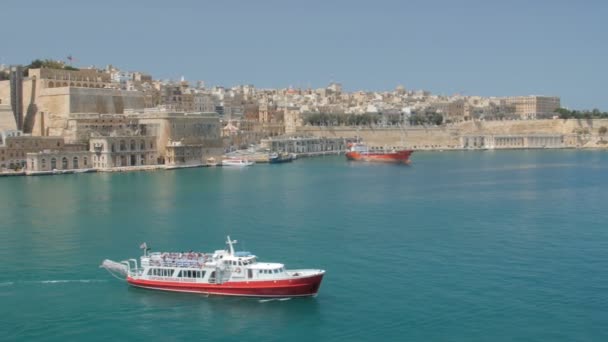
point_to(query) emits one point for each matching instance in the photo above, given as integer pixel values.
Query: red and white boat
(361, 152)
(223, 272)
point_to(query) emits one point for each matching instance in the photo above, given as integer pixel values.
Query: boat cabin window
(191, 274)
(160, 272)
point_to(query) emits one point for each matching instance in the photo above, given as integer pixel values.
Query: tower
(16, 82)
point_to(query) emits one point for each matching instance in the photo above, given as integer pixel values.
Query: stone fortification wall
(7, 119)
(91, 100)
(418, 138)
(59, 104)
(450, 136)
(557, 126)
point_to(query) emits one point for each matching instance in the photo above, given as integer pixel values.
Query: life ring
(237, 270)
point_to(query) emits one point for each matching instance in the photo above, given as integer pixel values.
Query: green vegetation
(581, 114)
(369, 119)
(4, 75)
(49, 64)
(325, 119)
(426, 118)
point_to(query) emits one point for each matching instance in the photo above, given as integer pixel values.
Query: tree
(49, 64)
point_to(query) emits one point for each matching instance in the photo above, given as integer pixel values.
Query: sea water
(459, 246)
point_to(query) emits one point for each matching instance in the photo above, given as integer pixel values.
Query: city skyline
(473, 48)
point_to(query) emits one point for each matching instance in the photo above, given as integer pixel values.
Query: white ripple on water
(63, 281)
(6, 283)
(274, 299)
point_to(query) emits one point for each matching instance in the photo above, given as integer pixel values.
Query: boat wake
(58, 281)
(70, 281)
(274, 300)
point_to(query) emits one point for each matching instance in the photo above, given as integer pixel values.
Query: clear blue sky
(488, 48)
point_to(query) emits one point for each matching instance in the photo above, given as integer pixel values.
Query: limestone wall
(7, 119)
(66, 100)
(5, 92)
(531, 126)
(55, 105)
(418, 138)
(450, 136)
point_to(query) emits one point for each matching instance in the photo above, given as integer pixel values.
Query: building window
(43, 163)
(53, 163)
(64, 163)
(142, 145)
(122, 145)
(75, 162)
(84, 161)
(132, 145)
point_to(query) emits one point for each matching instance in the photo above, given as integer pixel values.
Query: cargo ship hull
(398, 157)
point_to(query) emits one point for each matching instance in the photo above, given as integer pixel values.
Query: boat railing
(132, 268)
(177, 263)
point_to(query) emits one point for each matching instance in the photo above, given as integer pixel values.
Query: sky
(467, 47)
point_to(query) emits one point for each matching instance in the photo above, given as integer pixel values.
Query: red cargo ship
(360, 152)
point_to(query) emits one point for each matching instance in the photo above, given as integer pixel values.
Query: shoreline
(298, 156)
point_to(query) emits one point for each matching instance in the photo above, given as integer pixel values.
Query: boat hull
(236, 164)
(279, 160)
(399, 157)
(293, 287)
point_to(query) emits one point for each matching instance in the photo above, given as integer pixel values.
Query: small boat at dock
(237, 162)
(277, 158)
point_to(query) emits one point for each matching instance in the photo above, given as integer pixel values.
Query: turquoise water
(460, 246)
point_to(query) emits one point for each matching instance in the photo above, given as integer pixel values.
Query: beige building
(118, 151)
(15, 146)
(52, 160)
(178, 154)
(50, 96)
(514, 141)
(87, 78)
(292, 119)
(189, 129)
(305, 144)
(533, 107)
(453, 111)
(81, 127)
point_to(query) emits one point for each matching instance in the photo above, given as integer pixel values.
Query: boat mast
(229, 243)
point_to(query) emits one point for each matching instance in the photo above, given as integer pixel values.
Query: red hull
(402, 156)
(297, 287)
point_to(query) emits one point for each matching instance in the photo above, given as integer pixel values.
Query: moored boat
(237, 162)
(361, 152)
(276, 158)
(223, 272)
